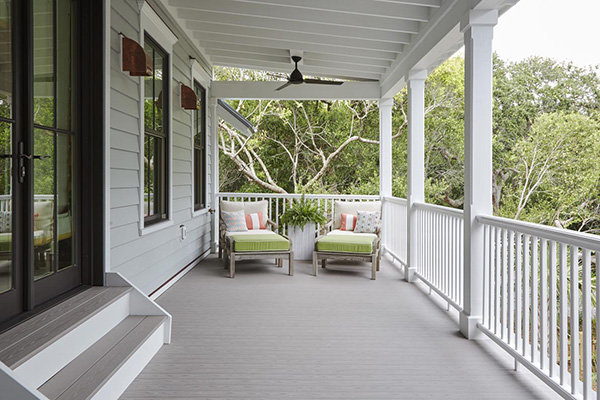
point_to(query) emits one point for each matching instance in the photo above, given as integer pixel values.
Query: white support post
(416, 164)
(477, 28)
(385, 147)
(214, 242)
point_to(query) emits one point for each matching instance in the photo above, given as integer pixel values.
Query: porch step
(84, 377)
(90, 346)
(26, 340)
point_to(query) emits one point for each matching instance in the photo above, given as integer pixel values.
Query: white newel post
(385, 146)
(477, 27)
(214, 237)
(416, 164)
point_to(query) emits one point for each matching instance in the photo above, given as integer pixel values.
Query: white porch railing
(393, 230)
(536, 278)
(440, 251)
(278, 203)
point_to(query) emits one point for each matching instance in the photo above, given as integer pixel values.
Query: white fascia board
(266, 90)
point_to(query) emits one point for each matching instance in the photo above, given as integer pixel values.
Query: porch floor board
(266, 335)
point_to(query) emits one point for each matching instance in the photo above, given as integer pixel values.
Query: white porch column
(478, 28)
(214, 163)
(416, 163)
(385, 146)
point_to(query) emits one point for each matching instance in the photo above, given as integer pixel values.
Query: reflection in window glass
(6, 227)
(6, 74)
(43, 63)
(199, 148)
(65, 68)
(64, 200)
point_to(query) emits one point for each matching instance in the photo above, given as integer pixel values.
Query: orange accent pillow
(348, 222)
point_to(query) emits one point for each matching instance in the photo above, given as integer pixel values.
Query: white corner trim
(107, 129)
(156, 227)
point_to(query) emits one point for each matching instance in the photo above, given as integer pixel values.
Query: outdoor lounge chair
(253, 244)
(335, 243)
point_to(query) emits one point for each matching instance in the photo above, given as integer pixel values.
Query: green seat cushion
(346, 243)
(259, 242)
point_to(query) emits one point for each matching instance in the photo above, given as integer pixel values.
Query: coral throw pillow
(348, 222)
(255, 221)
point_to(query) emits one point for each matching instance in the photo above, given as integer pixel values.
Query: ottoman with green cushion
(355, 243)
(249, 242)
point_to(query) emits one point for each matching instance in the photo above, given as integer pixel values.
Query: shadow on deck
(266, 335)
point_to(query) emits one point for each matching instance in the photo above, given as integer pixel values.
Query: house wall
(150, 259)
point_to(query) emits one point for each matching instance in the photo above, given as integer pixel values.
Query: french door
(39, 157)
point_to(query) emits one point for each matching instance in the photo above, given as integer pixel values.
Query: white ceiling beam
(286, 61)
(199, 28)
(423, 3)
(361, 7)
(286, 45)
(216, 49)
(307, 70)
(438, 34)
(266, 90)
(294, 26)
(305, 15)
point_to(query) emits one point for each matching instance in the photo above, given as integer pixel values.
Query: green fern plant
(302, 212)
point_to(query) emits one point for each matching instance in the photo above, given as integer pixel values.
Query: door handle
(34, 157)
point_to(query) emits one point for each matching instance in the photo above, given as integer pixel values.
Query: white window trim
(152, 24)
(198, 74)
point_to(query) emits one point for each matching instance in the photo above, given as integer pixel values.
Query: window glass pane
(6, 73)
(6, 264)
(64, 200)
(149, 93)
(159, 98)
(199, 119)
(43, 203)
(65, 69)
(43, 63)
(149, 163)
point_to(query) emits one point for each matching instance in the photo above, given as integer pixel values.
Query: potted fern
(301, 220)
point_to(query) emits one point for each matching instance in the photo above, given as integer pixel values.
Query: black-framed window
(200, 148)
(156, 138)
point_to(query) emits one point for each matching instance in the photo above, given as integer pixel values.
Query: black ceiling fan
(296, 77)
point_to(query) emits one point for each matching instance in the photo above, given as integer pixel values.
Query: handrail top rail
(298, 196)
(566, 236)
(453, 212)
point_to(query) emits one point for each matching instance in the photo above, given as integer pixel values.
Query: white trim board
(175, 278)
(152, 24)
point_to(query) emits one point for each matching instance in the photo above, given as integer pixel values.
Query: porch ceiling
(362, 40)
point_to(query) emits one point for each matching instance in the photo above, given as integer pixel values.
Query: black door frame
(90, 153)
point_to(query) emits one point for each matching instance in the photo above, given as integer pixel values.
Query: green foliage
(302, 212)
(546, 131)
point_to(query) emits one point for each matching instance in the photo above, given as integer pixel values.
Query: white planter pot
(303, 241)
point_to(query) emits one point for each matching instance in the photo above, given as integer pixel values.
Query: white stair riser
(53, 358)
(123, 377)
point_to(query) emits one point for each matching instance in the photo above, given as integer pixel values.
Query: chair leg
(315, 262)
(280, 262)
(225, 259)
(324, 263)
(291, 263)
(231, 265)
(378, 261)
(374, 267)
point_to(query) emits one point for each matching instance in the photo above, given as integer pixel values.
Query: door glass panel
(64, 200)
(65, 70)
(44, 185)
(6, 84)
(6, 237)
(43, 63)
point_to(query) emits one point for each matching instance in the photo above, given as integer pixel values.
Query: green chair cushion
(259, 242)
(346, 243)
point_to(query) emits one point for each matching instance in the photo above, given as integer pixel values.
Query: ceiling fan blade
(320, 82)
(283, 86)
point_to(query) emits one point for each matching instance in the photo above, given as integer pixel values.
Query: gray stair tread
(103, 369)
(59, 325)
(67, 376)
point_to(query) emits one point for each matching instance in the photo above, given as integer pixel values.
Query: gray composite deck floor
(266, 335)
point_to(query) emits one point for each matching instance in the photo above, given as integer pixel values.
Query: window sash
(199, 140)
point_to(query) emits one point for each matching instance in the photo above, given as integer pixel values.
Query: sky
(566, 30)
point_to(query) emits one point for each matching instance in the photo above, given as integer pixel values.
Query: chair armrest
(272, 224)
(325, 228)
